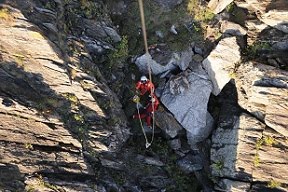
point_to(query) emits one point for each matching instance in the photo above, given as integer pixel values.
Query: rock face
(220, 63)
(48, 119)
(262, 90)
(191, 91)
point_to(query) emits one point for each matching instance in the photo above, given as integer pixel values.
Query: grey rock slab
(100, 30)
(218, 5)
(150, 160)
(277, 19)
(233, 186)
(232, 28)
(220, 63)
(191, 91)
(166, 122)
(175, 144)
(190, 163)
(118, 165)
(282, 45)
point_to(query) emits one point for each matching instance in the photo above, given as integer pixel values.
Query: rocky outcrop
(250, 146)
(266, 13)
(191, 91)
(220, 63)
(263, 91)
(272, 13)
(249, 138)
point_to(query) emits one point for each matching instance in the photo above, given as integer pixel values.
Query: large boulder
(262, 90)
(221, 61)
(191, 92)
(176, 60)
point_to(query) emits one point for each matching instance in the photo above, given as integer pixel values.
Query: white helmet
(143, 78)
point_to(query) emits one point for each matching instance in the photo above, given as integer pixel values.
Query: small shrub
(19, 59)
(232, 75)
(79, 118)
(256, 160)
(5, 14)
(274, 184)
(28, 146)
(218, 165)
(121, 51)
(259, 143)
(200, 13)
(269, 141)
(230, 7)
(254, 49)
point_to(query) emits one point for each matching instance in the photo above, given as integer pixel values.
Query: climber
(148, 111)
(144, 85)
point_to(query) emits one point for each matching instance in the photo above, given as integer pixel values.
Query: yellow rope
(149, 71)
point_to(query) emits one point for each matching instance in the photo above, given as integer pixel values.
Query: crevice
(69, 177)
(236, 179)
(47, 59)
(55, 149)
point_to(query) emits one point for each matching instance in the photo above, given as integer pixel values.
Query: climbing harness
(148, 144)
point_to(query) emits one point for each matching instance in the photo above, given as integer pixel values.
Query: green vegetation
(183, 181)
(273, 184)
(230, 8)
(19, 59)
(41, 185)
(158, 20)
(218, 165)
(232, 75)
(269, 141)
(89, 8)
(120, 53)
(79, 118)
(253, 51)
(256, 160)
(28, 146)
(5, 14)
(199, 12)
(71, 97)
(259, 143)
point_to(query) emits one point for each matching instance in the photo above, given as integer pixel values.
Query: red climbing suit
(144, 87)
(148, 112)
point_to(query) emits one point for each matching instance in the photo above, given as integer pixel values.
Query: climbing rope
(148, 144)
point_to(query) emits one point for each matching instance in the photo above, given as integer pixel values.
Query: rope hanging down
(148, 144)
